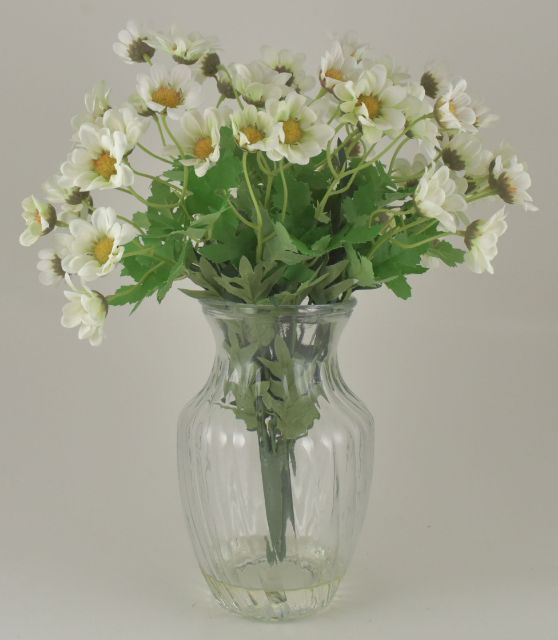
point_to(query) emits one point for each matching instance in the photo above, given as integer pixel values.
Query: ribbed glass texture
(275, 460)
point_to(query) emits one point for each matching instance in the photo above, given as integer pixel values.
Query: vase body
(275, 460)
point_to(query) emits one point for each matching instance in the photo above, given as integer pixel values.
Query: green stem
(158, 205)
(125, 219)
(414, 245)
(171, 135)
(156, 179)
(161, 134)
(259, 248)
(396, 153)
(244, 220)
(285, 191)
(153, 154)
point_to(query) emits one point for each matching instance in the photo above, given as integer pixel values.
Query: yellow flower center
(452, 107)
(168, 96)
(253, 134)
(203, 148)
(103, 249)
(38, 218)
(105, 165)
(334, 74)
(293, 131)
(372, 104)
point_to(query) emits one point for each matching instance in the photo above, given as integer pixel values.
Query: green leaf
(400, 287)
(361, 269)
(281, 247)
(446, 252)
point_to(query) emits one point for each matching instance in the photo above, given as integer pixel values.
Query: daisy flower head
(126, 120)
(481, 240)
(39, 218)
(169, 91)
(185, 48)
(435, 81)
(87, 310)
(285, 61)
(255, 130)
(257, 82)
(509, 179)
(336, 67)
(99, 161)
(423, 129)
(97, 244)
(134, 44)
(96, 103)
(352, 47)
(301, 136)
(453, 109)
(464, 152)
(199, 138)
(50, 260)
(374, 102)
(70, 202)
(409, 171)
(440, 197)
(484, 117)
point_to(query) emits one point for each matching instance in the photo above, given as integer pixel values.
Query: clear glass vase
(275, 460)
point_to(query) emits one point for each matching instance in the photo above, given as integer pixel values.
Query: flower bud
(210, 64)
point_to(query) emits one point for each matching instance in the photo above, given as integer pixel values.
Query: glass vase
(275, 460)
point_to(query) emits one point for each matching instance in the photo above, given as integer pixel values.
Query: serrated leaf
(446, 252)
(400, 287)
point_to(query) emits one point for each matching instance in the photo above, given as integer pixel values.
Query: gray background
(462, 530)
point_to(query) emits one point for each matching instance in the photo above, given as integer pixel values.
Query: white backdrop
(461, 536)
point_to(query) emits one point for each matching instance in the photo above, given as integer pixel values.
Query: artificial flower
(134, 44)
(421, 127)
(453, 109)
(257, 82)
(464, 152)
(70, 202)
(199, 138)
(434, 80)
(255, 130)
(169, 91)
(481, 239)
(98, 163)
(285, 61)
(126, 120)
(484, 117)
(301, 137)
(50, 260)
(87, 310)
(337, 67)
(440, 197)
(352, 47)
(409, 171)
(96, 103)
(39, 217)
(510, 180)
(374, 102)
(97, 245)
(185, 48)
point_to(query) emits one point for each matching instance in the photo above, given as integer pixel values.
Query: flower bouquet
(272, 206)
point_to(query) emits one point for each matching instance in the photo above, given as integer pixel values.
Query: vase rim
(221, 305)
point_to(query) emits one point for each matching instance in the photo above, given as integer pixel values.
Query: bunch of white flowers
(371, 165)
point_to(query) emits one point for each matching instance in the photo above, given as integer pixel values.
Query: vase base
(298, 586)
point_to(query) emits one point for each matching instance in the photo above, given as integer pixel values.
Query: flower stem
(153, 154)
(158, 205)
(259, 228)
(171, 135)
(285, 191)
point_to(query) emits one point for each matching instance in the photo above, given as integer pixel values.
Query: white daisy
(440, 197)
(50, 260)
(510, 180)
(464, 152)
(302, 136)
(285, 61)
(127, 121)
(453, 109)
(255, 130)
(435, 81)
(395, 73)
(484, 117)
(99, 162)
(70, 202)
(97, 245)
(87, 310)
(257, 82)
(39, 217)
(134, 44)
(410, 170)
(96, 103)
(481, 239)
(199, 138)
(337, 67)
(352, 47)
(374, 102)
(170, 91)
(185, 48)
(425, 130)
